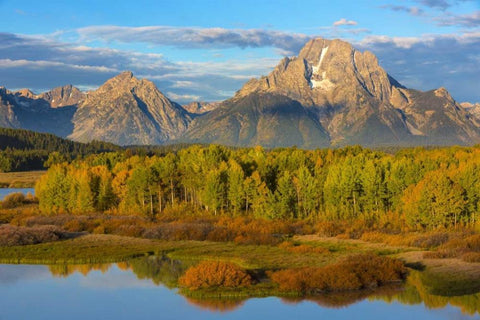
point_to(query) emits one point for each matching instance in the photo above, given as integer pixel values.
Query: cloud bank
(41, 62)
(195, 37)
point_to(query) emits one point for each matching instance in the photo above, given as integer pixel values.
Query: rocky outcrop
(23, 109)
(63, 96)
(200, 107)
(128, 111)
(472, 108)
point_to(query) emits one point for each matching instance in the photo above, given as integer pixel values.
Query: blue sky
(206, 50)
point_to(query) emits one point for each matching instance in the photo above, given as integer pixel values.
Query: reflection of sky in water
(30, 292)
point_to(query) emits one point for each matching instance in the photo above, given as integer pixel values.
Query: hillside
(24, 150)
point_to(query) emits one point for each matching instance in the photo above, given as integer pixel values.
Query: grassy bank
(441, 276)
(25, 179)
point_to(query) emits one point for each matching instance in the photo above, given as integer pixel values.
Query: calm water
(6, 191)
(140, 290)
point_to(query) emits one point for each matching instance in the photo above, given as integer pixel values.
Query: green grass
(26, 179)
(109, 248)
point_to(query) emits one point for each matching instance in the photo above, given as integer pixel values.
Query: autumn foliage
(211, 274)
(355, 272)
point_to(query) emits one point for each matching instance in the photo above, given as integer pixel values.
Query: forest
(24, 150)
(412, 189)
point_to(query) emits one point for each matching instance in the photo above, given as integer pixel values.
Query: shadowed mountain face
(128, 111)
(23, 109)
(330, 95)
(263, 119)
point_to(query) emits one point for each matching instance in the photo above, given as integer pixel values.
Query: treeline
(413, 189)
(24, 150)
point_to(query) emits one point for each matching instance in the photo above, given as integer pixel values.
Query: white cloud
(471, 20)
(183, 97)
(195, 37)
(431, 61)
(344, 22)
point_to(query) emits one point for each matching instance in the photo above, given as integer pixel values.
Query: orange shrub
(208, 274)
(355, 272)
(74, 226)
(330, 228)
(471, 257)
(13, 200)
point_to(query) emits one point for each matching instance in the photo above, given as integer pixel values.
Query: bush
(471, 257)
(302, 248)
(355, 272)
(17, 236)
(215, 274)
(13, 200)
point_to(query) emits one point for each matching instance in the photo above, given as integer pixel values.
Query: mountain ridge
(331, 94)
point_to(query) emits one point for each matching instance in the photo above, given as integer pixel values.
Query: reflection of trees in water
(66, 270)
(161, 270)
(216, 305)
(416, 292)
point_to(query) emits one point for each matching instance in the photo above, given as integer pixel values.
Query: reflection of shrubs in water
(15, 236)
(216, 305)
(355, 272)
(215, 274)
(346, 298)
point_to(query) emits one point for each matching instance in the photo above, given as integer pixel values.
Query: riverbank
(24, 179)
(440, 275)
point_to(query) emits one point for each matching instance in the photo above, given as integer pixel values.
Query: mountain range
(329, 95)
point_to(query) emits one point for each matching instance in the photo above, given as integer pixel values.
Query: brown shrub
(355, 272)
(211, 274)
(329, 228)
(179, 231)
(55, 220)
(457, 247)
(75, 226)
(471, 257)
(302, 248)
(17, 236)
(431, 240)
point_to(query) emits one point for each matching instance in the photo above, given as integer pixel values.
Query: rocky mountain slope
(23, 109)
(200, 107)
(128, 111)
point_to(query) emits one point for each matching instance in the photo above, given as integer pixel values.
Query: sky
(205, 50)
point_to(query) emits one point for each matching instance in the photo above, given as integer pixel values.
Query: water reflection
(216, 305)
(165, 272)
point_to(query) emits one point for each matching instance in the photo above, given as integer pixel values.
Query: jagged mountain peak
(323, 73)
(126, 110)
(63, 96)
(25, 93)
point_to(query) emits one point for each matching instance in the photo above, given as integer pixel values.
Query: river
(144, 289)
